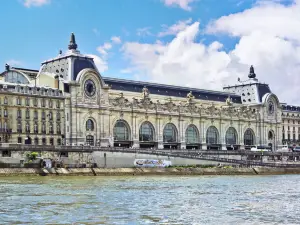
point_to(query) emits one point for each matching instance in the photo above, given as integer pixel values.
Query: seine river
(150, 200)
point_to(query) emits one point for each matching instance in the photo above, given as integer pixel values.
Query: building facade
(76, 105)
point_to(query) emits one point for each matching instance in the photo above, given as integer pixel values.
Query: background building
(68, 101)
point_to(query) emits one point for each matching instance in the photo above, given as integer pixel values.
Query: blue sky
(36, 33)
(200, 43)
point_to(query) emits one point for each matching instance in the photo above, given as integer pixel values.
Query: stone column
(203, 133)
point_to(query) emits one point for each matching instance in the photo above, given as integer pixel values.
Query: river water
(150, 200)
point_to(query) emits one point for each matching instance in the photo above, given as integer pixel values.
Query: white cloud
(184, 4)
(175, 28)
(99, 62)
(145, 31)
(116, 40)
(103, 48)
(37, 3)
(269, 40)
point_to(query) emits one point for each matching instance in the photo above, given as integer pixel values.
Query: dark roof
(262, 90)
(169, 90)
(291, 108)
(80, 64)
(29, 70)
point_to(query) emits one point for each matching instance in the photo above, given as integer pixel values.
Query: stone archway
(271, 140)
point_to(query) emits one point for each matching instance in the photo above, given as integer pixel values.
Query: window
(5, 113)
(27, 114)
(51, 141)
(27, 101)
(19, 114)
(43, 115)
(19, 140)
(44, 128)
(35, 102)
(19, 127)
(5, 100)
(146, 132)
(170, 133)
(58, 116)
(27, 127)
(43, 102)
(191, 135)
(212, 135)
(289, 136)
(6, 153)
(18, 101)
(249, 137)
(283, 136)
(89, 125)
(231, 136)
(58, 129)
(51, 128)
(36, 115)
(121, 131)
(36, 141)
(50, 116)
(50, 104)
(36, 128)
(294, 137)
(44, 141)
(58, 141)
(57, 104)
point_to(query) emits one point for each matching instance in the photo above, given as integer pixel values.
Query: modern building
(69, 102)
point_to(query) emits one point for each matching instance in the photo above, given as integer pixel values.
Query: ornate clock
(89, 88)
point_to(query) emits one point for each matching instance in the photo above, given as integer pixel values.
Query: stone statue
(145, 92)
(190, 96)
(229, 101)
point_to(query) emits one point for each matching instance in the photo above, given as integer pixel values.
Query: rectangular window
(27, 101)
(36, 115)
(35, 102)
(43, 115)
(43, 102)
(27, 114)
(5, 113)
(57, 104)
(6, 153)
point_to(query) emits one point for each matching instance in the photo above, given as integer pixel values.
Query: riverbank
(145, 171)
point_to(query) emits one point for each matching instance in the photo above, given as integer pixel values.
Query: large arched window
(16, 77)
(170, 133)
(90, 140)
(249, 137)
(121, 131)
(89, 125)
(212, 135)
(231, 136)
(146, 132)
(191, 135)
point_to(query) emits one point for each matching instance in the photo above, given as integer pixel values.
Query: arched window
(249, 137)
(121, 131)
(36, 141)
(191, 135)
(90, 125)
(270, 135)
(16, 77)
(231, 136)
(90, 140)
(212, 135)
(146, 132)
(170, 133)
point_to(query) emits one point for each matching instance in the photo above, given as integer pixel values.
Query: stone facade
(101, 111)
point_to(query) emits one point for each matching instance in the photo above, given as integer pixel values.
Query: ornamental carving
(120, 101)
(145, 93)
(190, 97)
(145, 103)
(170, 106)
(212, 110)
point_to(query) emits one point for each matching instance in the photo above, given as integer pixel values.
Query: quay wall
(146, 171)
(102, 159)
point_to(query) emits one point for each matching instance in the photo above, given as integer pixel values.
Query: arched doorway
(192, 137)
(28, 140)
(249, 138)
(271, 140)
(212, 138)
(90, 140)
(170, 137)
(146, 135)
(122, 134)
(231, 139)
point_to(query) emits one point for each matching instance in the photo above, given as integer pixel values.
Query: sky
(205, 44)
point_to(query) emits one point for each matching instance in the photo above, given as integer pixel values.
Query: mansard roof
(169, 90)
(291, 108)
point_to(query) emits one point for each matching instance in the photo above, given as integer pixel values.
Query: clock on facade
(271, 107)
(90, 88)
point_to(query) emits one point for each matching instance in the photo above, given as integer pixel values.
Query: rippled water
(150, 200)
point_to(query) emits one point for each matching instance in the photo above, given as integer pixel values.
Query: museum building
(67, 101)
